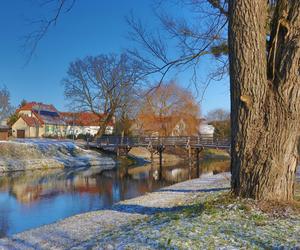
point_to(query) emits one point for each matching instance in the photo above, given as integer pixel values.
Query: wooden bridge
(169, 141)
(156, 145)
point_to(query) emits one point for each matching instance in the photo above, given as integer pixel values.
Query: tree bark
(264, 111)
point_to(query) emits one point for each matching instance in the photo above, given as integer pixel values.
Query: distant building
(4, 133)
(205, 129)
(42, 120)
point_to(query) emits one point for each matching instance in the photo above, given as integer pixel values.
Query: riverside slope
(45, 154)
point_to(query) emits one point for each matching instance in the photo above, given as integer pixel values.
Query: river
(30, 199)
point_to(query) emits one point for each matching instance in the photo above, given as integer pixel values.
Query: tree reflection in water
(32, 198)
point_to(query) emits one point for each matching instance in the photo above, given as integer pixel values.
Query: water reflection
(30, 199)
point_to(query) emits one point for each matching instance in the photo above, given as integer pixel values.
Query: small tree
(23, 103)
(15, 116)
(218, 115)
(220, 119)
(6, 109)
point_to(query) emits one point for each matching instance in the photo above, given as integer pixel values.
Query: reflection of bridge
(122, 145)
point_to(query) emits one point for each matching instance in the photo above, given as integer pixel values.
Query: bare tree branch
(179, 44)
(32, 40)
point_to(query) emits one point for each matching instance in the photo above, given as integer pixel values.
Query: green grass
(212, 221)
(218, 153)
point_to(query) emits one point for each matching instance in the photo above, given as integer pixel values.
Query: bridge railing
(205, 140)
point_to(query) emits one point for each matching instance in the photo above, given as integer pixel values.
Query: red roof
(83, 119)
(46, 114)
(31, 121)
(38, 117)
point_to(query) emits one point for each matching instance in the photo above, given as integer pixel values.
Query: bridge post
(189, 149)
(160, 150)
(198, 150)
(151, 150)
(127, 149)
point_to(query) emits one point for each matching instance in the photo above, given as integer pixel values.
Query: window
(48, 129)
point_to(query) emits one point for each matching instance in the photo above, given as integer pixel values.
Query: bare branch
(32, 40)
(179, 44)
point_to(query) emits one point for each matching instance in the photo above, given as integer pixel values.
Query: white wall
(20, 124)
(206, 129)
(92, 130)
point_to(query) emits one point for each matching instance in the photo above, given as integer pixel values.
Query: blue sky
(92, 27)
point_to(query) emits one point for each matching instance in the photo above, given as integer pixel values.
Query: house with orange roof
(38, 120)
(43, 120)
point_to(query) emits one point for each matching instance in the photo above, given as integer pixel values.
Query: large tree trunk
(108, 118)
(265, 107)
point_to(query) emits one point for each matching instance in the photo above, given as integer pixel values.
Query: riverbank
(173, 156)
(194, 214)
(141, 153)
(48, 154)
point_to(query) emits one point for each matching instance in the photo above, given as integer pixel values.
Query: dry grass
(279, 209)
(271, 208)
(221, 167)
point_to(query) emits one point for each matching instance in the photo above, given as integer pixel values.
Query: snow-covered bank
(42, 154)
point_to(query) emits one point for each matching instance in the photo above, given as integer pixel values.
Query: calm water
(31, 199)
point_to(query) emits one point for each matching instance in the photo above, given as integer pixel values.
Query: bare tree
(165, 107)
(218, 115)
(6, 109)
(127, 112)
(102, 85)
